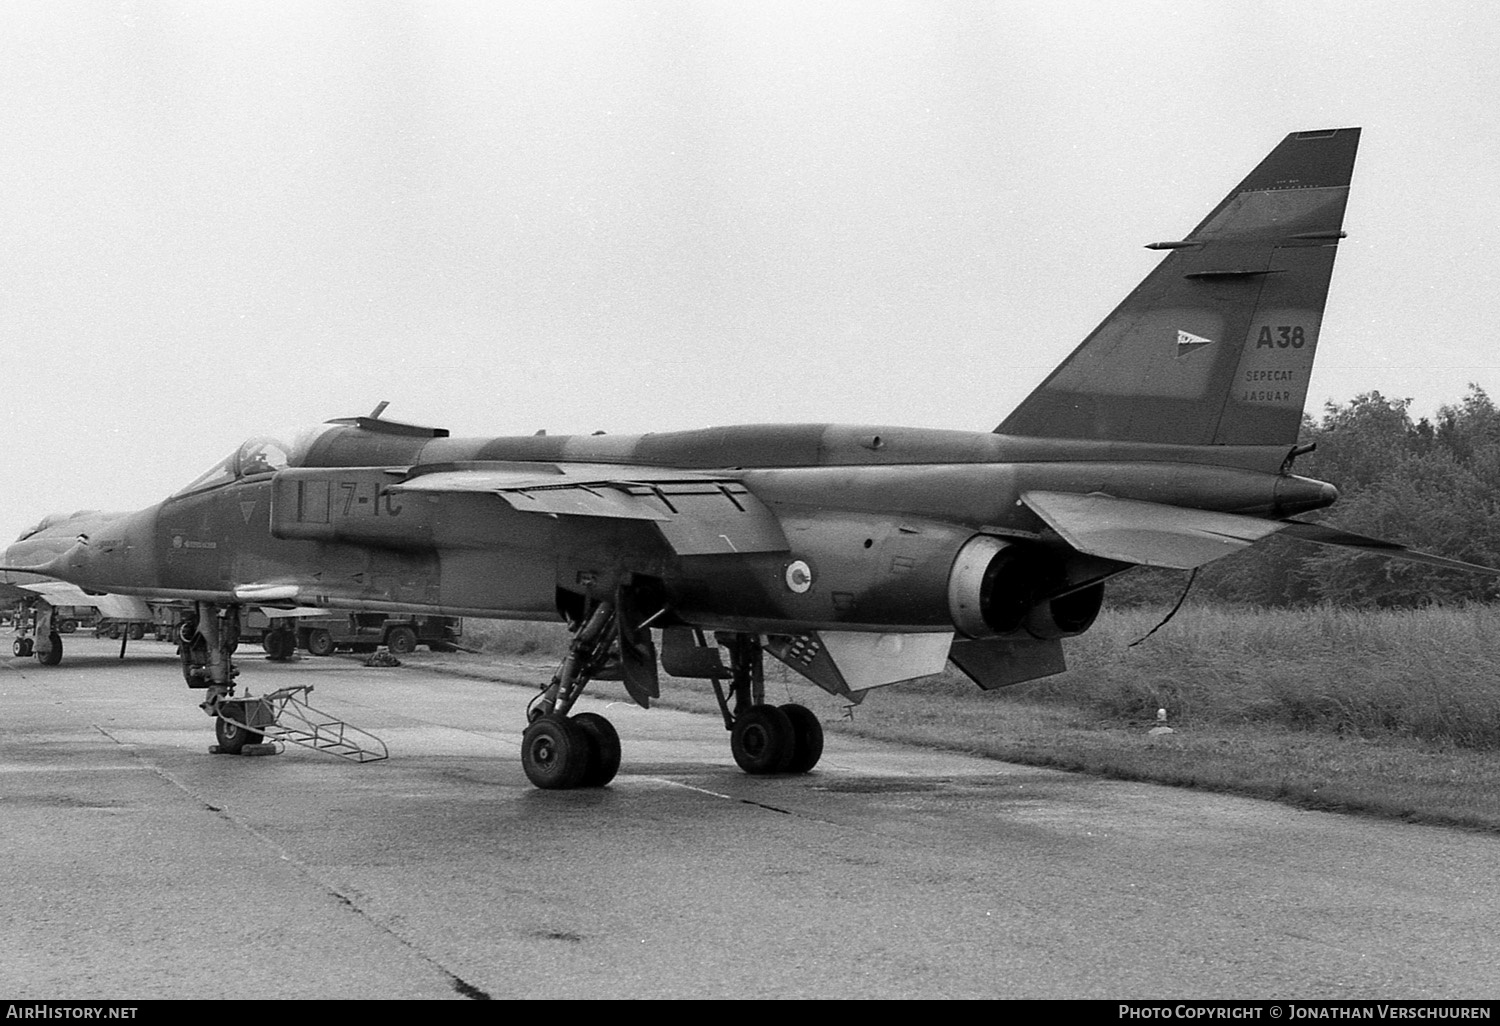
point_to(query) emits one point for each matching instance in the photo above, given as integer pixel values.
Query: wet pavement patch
(887, 786)
(558, 935)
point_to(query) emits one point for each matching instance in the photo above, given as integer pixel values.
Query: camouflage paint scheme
(856, 554)
(877, 514)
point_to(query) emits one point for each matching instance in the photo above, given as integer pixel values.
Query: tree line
(1431, 484)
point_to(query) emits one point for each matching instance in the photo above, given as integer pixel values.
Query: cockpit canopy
(259, 456)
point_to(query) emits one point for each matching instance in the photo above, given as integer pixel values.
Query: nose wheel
(54, 652)
(233, 738)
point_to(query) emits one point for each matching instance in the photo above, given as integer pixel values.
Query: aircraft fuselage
(876, 515)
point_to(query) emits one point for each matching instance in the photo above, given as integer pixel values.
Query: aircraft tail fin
(1215, 346)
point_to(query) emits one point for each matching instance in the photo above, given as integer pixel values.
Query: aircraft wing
(697, 513)
(116, 607)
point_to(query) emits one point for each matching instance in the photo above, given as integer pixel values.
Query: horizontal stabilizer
(1146, 533)
(1179, 538)
(1344, 539)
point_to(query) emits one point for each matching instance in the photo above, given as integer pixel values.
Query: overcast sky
(229, 218)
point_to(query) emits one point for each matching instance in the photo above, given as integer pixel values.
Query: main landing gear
(559, 751)
(764, 738)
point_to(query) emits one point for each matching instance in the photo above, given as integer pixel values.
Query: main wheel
(762, 740)
(279, 645)
(233, 737)
(320, 642)
(401, 641)
(807, 738)
(53, 657)
(555, 753)
(604, 749)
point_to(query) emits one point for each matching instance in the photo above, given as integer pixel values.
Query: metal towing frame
(282, 718)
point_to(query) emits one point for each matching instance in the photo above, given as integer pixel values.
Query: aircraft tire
(53, 657)
(320, 642)
(807, 738)
(762, 740)
(555, 753)
(604, 749)
(233, 738)
(401, 641)
(279, 645)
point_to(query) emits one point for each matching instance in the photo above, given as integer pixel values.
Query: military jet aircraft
(859, 556)
(36, 599)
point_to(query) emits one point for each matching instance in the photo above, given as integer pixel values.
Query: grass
(1421, 674)
(1386, 713)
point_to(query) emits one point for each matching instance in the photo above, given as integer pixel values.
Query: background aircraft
(859, 556)
(35, 599)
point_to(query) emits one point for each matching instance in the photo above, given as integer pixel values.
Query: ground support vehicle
(364, 632)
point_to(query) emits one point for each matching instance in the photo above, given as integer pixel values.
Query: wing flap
(582, 501)
(1146, 533)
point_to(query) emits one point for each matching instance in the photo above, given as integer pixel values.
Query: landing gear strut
(206, 644)
(46, 640)
(558, 751)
